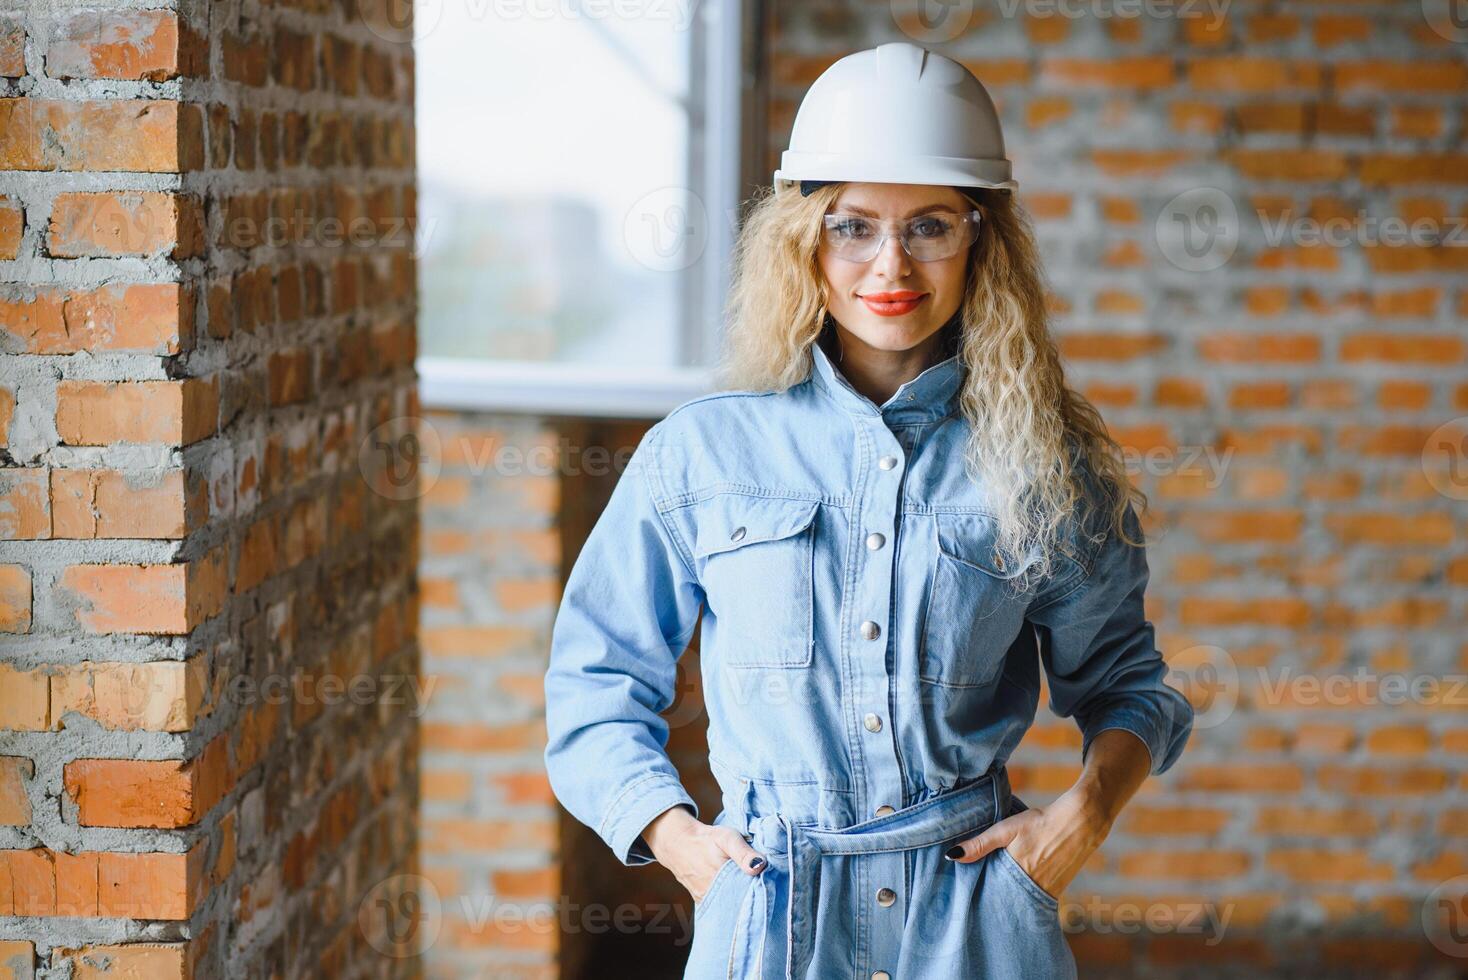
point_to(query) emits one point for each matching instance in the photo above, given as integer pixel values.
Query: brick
(1202, 865)
(1332, 865)
(1137, 73)
(124, 44)
(1434, 77)
(146, 793)
(25, 699)
(1266, 778)
(1402, 348)
(1260, 348)
(1397, 781)
(290, 375)
(1111, 346)
(15, 804)
(1389, 169)
(1205, 32)
(147, 135)
(25, 504)
(1296, 820)
(1291, 165)
(167, 599)
(125, 223)
(96, 413)
(12, 45)
(1144, 819)
(92, 504)
(132, 961)
(17, 959)
(12, 227)
(153, 318)
(7, 412)
(1242, 74)
(1331, 30)
(15, 599)
(162, 696)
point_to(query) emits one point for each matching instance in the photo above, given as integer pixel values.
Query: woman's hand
(1050, 843)
(695, 851)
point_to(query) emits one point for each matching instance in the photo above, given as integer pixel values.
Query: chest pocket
(974, 611)
(756, 558)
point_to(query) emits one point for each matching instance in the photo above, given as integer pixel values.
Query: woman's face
(856, 287)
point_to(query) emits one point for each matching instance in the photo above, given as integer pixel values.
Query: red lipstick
(894, 303)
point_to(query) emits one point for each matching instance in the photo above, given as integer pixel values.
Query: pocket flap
(970, 539)
(730, 521)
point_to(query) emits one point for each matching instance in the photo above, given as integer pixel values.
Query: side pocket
(720, 877)
(1022, 877)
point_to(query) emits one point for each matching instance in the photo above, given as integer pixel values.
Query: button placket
(883, 785)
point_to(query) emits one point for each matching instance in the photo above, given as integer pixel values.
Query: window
(580, 166)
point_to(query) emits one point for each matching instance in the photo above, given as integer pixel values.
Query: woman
(894, 516)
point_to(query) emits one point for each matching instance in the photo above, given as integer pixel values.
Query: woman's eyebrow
(853, 209)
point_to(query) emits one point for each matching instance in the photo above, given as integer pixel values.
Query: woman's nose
(892, 259)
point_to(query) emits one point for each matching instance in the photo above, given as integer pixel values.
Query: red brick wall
(1280, 407)
(207, 595)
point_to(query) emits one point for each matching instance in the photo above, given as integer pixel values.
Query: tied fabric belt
(795, 851)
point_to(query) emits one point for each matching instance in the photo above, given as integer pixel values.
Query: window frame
(726, 94)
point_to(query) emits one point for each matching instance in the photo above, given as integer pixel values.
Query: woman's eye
(851, 228)
(929, 228)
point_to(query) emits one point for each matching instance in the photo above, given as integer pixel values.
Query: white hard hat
(896, 114)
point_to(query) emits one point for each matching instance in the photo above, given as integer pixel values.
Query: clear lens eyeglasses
(927, 238)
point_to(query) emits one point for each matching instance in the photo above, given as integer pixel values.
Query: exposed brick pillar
(208, 602)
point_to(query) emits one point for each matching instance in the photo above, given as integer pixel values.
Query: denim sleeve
(1101, 659)
(629, 607)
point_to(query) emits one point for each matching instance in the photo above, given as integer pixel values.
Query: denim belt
(796, 850)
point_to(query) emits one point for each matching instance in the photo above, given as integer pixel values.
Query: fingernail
(755, 863)
(953, 852)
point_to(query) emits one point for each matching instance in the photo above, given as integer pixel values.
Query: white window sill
(537, 388)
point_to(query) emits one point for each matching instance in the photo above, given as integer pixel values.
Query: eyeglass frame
(973, 219)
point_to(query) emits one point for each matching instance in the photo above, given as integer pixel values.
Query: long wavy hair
(1028, 429)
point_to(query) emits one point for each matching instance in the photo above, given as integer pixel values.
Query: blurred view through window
(568, 213)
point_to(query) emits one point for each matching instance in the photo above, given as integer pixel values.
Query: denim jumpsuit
(866, 670)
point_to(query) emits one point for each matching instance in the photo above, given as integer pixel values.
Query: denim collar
(928, 397)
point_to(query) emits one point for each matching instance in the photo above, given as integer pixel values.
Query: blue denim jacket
(861, 649)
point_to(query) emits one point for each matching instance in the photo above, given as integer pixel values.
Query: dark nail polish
(956, 851)
(755, 863)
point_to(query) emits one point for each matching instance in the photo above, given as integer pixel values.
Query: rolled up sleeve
(629, 608)
(1100, 655)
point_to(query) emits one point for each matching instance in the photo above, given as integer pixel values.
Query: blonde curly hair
(1028, 429)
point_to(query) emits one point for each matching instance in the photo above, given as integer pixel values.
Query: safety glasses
(927, 237)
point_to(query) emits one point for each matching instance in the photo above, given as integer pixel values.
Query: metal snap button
(875, 540)
(887, 462)
(885, 897)
(884, 809)
(738, 533)
(998, 561)
(873, 722)
(881, 975)
(870, 630)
